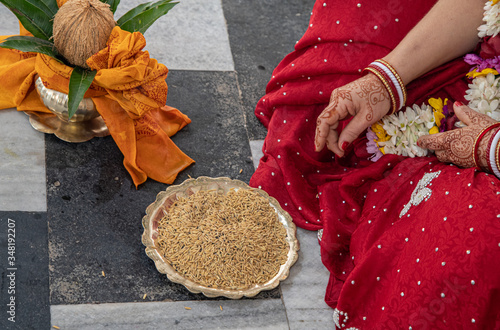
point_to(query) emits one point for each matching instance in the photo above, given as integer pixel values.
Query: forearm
(449, 30)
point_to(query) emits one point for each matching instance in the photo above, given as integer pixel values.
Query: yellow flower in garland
(474, 73)
(434, 130)
(437, 107)
(494, 2)
(380, 132)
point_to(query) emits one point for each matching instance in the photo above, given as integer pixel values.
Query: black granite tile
(95, 212)
(261, 34)
(217, 138)
(24, 288)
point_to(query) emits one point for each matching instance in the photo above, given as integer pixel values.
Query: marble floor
(80, 263)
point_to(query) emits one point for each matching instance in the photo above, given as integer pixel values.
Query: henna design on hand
(372, 91)
(457, 146)
(365, 96)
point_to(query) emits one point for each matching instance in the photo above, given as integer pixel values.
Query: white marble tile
(304, 290)
(311, 319)
(235, 314)
(256, 148)
(9, 21)
(192, 36)
(22, 164)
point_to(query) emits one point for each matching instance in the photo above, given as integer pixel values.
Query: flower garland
(398, 133)
(484, 91)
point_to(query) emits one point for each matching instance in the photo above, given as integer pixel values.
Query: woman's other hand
(457, 146)
(365, 99)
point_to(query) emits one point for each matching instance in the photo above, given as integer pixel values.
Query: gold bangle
(497, 157)
(387, 86)
(398, 77)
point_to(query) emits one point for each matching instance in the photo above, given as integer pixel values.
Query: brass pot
(57, 102)
(84, 125)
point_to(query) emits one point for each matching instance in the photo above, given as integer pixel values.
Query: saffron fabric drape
(431, 267)
(129, 92)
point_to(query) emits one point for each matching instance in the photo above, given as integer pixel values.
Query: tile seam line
(284, 306)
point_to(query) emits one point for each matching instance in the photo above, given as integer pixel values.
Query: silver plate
(156, 211)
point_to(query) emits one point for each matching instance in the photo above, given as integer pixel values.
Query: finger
(469, 116)
(356, 126)
(326, 119)
(462, 113)
(332, 141)
(432, 142)
(329, 117)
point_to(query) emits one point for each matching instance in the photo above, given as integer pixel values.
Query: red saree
(410, 243)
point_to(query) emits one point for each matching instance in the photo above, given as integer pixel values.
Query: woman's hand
(457, 146)
(365, 99)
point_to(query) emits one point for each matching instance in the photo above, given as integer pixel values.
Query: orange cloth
(129, 91)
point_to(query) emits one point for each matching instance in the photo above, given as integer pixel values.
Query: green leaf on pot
(79, 83)
(140, 18)
(30, 44)
(113, 4)
(49, 7)
(35, 15)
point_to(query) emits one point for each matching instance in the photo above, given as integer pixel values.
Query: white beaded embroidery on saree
(421, 192)
(341, 324)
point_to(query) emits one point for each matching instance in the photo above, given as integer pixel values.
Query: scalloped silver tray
(165, 199)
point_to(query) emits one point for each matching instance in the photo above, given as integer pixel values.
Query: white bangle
(493, 161)
(394, 81)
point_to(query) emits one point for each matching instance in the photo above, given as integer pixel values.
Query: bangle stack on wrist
(479, 137)
(494, 150)
(392, 82)
(492, 157)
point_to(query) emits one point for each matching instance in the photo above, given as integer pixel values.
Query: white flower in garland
(492, 18)
(484, 95)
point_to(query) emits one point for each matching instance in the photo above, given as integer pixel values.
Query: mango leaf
(140, 18)
(79, 83)
(35, 15)
(30, 44)
(113, 4)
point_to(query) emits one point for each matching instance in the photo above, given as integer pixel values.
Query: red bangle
(478, 139)
(489, 148)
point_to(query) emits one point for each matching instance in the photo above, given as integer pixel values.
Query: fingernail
(458, 104)
(345, 145)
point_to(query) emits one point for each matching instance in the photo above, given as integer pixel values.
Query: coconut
(81, 29)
